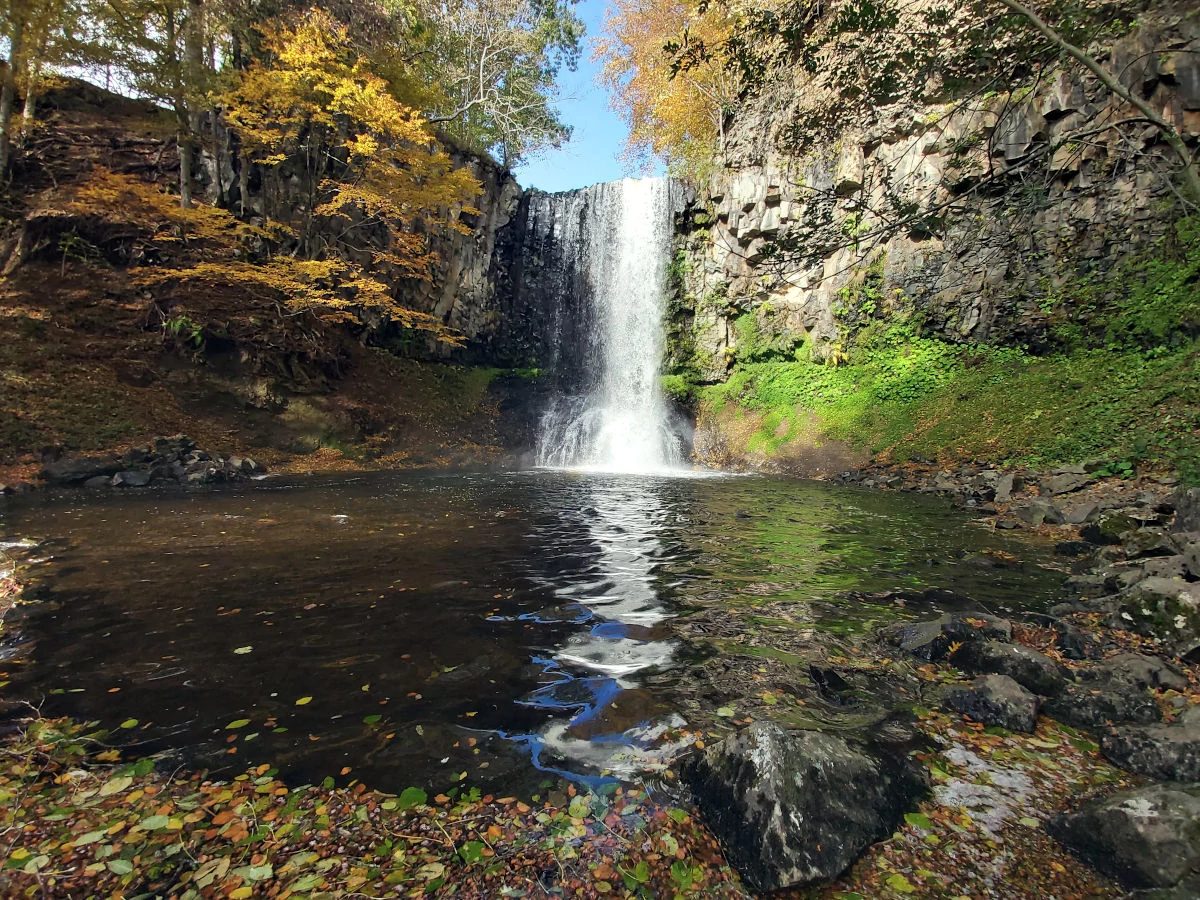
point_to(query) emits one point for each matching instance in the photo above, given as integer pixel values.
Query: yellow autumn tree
(666, 82)
(314, 111)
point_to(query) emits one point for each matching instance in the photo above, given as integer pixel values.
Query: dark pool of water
(498, 625)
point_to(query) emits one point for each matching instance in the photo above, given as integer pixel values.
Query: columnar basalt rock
(971, 266)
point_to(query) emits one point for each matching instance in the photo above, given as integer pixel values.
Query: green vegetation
(1123, 387)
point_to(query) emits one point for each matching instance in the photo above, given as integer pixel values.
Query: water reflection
(453, 628)
(602, 561)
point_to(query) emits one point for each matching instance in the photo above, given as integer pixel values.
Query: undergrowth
(1124, 385)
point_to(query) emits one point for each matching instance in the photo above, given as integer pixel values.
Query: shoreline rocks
(173, 460)
(795, 808)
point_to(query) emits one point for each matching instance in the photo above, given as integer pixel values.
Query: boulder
(1005, 485)
(99, 481)
(1064, 484)
(1144, 838)
(1187, 509)
(79, 469)
(1138, 669)
(1080, 513)
(797, 808)
(1032, 670)
(1191, 558)
(1108, 529)
(1038, 512)
(1165, 752)
(1166, 609)
(997, 700)
(931, 640)
(1114, 692)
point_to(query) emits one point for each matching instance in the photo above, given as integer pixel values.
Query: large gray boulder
(1032, 670)
(1115, 692)
(1187, 509)
(997, 700)
(1166, 752)
(78, 469)
(1167, 609)
(796, 808)
(1144, 838)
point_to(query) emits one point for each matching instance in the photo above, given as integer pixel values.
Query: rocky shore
(1109, 674)
(168, 460)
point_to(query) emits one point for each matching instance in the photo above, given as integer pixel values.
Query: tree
(159, 45)
(672, 90)
(16, 20)
(50, 40)
(494, 64)
(366, 160)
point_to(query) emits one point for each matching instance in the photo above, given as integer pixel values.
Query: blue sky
(599, 134)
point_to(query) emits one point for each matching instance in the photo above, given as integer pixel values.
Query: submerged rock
(1032, 670)
(997, 700)
(1168, 752)
(797, 808)
(1145, 838)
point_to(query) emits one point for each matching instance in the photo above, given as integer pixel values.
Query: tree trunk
(31, 85)
(244, 184)
(185, 168)
(8, 94)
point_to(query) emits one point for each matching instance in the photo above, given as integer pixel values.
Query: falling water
(615, 243)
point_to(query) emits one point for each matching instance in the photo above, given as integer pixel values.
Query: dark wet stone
(131, 479)
(1103, 701)
(1032, 670)
(797, 808)
(1073, 548)
(997, 700)
(833, 687)
(78, 469)
(1166, 752)
(1144, 838)
(931, 640)
(1075, 644)
(99, 481)
(1139, 669)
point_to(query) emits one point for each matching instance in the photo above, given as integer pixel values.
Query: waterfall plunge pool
(413, 628)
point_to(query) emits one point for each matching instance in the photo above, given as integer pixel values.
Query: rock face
(1146, 838)
(797, 808)
(977, 275)
(997, 700)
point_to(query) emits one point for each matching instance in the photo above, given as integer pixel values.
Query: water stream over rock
(615, 241)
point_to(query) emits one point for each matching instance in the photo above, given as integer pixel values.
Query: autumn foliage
(671, 90)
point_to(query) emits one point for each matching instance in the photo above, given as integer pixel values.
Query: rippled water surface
(497, 625)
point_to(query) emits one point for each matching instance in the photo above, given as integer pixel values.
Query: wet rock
(1147, 672)
(131, 479)
(1103, 699)
(797, 808)
(1146, 542)
(1144, 838)
(1187, 509)
(1165, 752)
(931, 640)
(1075, 644)
(997, 700)
(1065, 483)
(99, 481)
(1032, 670)
(78, 469)
(1108, 529)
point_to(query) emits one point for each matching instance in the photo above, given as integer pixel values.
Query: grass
(923, 397)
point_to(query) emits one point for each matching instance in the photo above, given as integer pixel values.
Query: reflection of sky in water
(612, 550)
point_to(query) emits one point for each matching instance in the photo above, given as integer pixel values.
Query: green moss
(917, 396)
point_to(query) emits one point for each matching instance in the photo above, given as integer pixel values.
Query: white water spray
(618, 236)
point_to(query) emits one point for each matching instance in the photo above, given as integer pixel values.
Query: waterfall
(613, 243)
